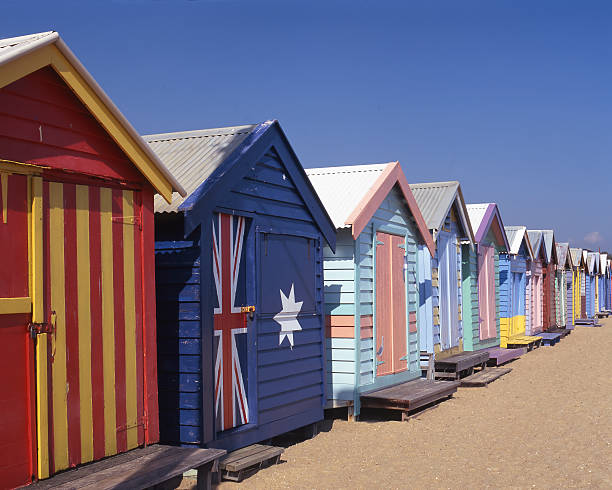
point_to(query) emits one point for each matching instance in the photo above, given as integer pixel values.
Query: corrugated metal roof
(341, 189)
(576, 254)
(476, 212)
(535, 237)
(435, 200)
(192, 156)
(591, 262)
(515, 236)
(603, 257)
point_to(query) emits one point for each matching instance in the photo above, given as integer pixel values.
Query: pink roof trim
(364, 211)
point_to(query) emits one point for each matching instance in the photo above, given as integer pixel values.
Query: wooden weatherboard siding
(93, 383)
(283, 377)
(353, 264)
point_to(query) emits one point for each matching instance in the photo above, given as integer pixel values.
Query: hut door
(486, 292)
(391, 326)
(90, 370)
(515, 322)
(449, 294)
(231, 334)
(16, 348)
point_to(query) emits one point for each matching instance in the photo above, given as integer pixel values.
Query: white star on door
(287, 317)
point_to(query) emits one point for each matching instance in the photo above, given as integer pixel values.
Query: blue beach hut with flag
(239, 278)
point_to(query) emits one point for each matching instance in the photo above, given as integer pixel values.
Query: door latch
(42, 327)
(248, 309)
(39, 328)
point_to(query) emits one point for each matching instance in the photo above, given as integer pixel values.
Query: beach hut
(590, 273)
(563, 296)
(608, 285)
(241, 358)
(440, 292)
(371, 301)
(535, 285)
(77, 295)
(491, 240)
(513, 267)
(549, 267)
(577, 281)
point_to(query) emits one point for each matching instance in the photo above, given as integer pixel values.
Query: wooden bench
(138, 469)
(236, 464)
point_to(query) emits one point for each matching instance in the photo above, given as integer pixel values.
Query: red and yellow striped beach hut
(77, 308)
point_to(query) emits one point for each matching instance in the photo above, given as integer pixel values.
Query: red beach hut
(77, 305)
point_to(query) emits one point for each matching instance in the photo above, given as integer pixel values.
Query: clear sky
(512, 98)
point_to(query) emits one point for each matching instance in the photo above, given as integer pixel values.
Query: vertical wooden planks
(384, 315)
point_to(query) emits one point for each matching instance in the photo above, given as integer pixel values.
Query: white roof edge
(54, 37)
(45, 38)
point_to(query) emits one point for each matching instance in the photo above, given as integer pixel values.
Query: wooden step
(499, 356)
(238, 463)
(484, 377)
(563, 331)
(410, 395)
(462, 364)
(550, 339)
(138, 468)
(529, 342)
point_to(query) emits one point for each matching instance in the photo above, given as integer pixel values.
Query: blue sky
(511, 98)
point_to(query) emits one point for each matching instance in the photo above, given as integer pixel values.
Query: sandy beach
(547, 424)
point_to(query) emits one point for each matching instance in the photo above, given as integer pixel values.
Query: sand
(547, 424)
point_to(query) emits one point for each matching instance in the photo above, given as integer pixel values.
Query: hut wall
(470, 310)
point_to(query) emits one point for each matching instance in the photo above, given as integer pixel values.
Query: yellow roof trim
(50, 55)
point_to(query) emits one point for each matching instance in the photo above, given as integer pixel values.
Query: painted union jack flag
(231, 403)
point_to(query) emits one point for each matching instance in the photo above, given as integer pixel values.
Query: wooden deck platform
(409, 396)
(461, 365)
(528, 342)
(584, 321)
(560, 330)
(138, 469)
(499, 356)
(237, 464)
(484, 377)
(550, 339)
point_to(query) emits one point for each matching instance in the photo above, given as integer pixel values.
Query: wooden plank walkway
(484, 377)
(237, 464)
(410, 395)
(499, 356)
(138, 469)
(463, 364)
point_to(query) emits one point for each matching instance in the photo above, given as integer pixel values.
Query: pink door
(391, 329)
(486, 292)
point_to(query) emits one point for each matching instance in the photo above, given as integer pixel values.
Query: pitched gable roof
(485, 216)
(563, 255)
(546, 240)
(20, 56)
(435, 200)
(352, 194)
(192, 156)
(576, 254)
(516, 236)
